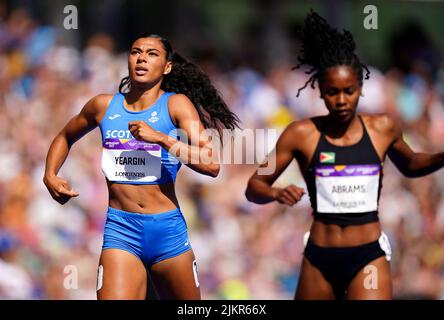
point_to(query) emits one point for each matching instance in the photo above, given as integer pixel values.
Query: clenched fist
(143, 132)
(289, 195)
(59, 189)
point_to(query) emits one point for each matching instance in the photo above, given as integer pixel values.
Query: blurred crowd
(244, 251)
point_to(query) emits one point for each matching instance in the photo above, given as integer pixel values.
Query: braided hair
(323, 47)
(188, 79)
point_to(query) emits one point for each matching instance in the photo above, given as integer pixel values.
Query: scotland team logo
(154, 117)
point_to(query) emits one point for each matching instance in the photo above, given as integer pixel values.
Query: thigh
(121, 276)
(176, 278)
(373, 282)
(312, 284)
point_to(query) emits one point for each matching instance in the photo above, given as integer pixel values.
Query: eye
(153, 54)
(332, 92)
(350, 91)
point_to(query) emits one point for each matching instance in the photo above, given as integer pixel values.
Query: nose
(141, 57)
(341, 100)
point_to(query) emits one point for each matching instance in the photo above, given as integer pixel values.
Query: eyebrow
(345, 87)
(148, 50)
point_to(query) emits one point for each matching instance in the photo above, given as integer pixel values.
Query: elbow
(63, 138)
(259, 194)
(214, 170)
(410, 172)
(251, 197)
(249, 194)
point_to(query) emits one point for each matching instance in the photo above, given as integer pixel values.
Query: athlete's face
(147, 61)
(340, 90)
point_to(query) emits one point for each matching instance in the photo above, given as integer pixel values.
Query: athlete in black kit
(341, 156)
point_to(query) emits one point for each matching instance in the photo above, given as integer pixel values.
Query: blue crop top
(129, 161)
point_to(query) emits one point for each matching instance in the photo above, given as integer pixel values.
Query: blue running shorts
(150, 237)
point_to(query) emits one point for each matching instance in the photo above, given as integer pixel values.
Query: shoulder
(297, 136)
(181, 106)
(381, 123)
(179, 99)
(98, 104)
(95, 108)
(304, 127)
(301, 129)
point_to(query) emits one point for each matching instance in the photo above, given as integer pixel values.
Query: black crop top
(344, 182)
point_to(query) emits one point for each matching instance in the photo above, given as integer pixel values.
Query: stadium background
(245, 251)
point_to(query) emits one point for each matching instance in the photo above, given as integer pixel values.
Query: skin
(125, 276)
(340, 89)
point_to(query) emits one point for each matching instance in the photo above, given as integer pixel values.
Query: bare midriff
(331, 235)
(146, 198)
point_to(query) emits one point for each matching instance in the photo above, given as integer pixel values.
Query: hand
(59, 189)
(143, 132)
(289, 195)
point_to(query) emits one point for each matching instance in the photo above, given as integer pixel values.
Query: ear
(168, 67)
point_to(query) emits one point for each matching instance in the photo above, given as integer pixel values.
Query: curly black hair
(323, 47)
(187, 78)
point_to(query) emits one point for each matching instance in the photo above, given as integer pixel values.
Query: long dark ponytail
(188, 79)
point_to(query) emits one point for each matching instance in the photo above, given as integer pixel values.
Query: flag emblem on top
(327, 157)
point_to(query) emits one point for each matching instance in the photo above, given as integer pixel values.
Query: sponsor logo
(114, 116)
(130, 174)
(340, 168)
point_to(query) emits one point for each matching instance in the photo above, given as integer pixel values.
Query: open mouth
(140, 71)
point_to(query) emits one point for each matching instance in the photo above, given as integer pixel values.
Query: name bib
(126, 160)
(347, 188)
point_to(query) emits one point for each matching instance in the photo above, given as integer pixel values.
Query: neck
(141, 96)
(336, 129)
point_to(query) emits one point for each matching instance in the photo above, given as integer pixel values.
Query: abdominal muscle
(145, 199)
(331, 235)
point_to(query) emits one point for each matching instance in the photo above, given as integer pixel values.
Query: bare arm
(197, 152)
(259, 189)
(76, 128)
(411, 164)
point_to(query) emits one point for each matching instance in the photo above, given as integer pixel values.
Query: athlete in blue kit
(341, 157)
(145, 229)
